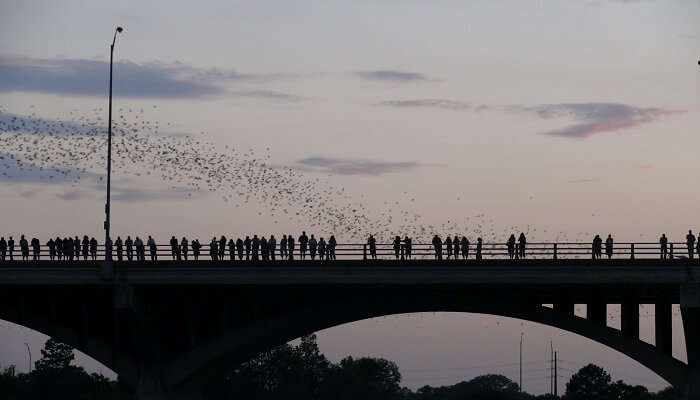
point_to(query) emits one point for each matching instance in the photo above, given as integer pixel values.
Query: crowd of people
(268, 249)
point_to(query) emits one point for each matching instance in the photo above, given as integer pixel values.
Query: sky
(561, 119)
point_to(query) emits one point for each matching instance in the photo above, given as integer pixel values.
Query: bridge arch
(241, 344)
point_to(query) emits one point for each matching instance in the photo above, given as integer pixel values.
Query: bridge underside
(171, 339)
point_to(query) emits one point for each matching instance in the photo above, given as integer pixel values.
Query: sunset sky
(559, 118)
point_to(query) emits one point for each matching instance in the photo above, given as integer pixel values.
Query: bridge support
(629, 318)
(597, 313)
(690, 312)
(663, 327)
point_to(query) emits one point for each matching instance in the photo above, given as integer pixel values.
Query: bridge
(169, 327)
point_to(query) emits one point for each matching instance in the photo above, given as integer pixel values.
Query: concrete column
(597, 313)
(150, 386)
(690, 312)
(663, 327)
(629, 317)
(564, 307)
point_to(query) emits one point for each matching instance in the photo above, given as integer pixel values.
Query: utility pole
(556, 386)
(109, 136)
(521, 361)
(551, 368)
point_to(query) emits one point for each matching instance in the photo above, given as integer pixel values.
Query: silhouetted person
(76, 248)
(247, 243)
(408, 244)
(303, 242)
(86, 247)
(222, 247)
(437, 245)
(464, 244)
(663, 243)
(50, 244)
(690, 241)
(290, 247)
(68, 249)
(511, 246)
(239, 248)
(272, 244)
(214, 249)
(196, 248)
(184, 248)
(609, 246)
(256, 247)
(331, 247)
(264, 250)
(455, 245)
(397, 247)
(232, 249)
(522, 243)
(108, 249)
(59, 248)
(152, 248)
(93, 249)
(283, 247)
(120, 248)
(448, 246)
(597, 247)
(321, 249)
(479, 243)
(174, 248)
(140, 249)
(3, 248)
(11, 248)
(24, 248)
(36, 249)
(313, 246)
(129, 248)
(372, 247)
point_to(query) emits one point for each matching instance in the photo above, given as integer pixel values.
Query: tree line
(301, 371)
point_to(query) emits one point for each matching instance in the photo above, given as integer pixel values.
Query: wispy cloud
(80, 77)
(594, 118)
(267, 95)
(428, 103)
(341, 166)
(391, 76)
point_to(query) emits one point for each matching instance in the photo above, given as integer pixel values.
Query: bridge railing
(387, 251)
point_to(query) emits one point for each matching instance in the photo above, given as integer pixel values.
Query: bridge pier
(690, 312)
(663, 327)
(629, 318)
(597, 313)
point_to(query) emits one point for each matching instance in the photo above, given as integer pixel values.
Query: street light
(109, 133)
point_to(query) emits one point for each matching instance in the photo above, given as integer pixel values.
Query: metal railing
(355, 251)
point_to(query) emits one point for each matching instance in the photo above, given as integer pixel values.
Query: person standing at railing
(213, 249)
(120, 248)
(448, 245)
(522, 242)
(264, 250)
(372, 242)
(397, 247)
(597, 247)
(303, 242)
(3, 248)
(184, 248)
(609, 246)
(321, 249)
(152, 248)
(174, 251)
(690, 241)
(59, 248)
(232, 249)
(272, 243)
(11, 247)
(331, 247)
(67, 249)
(222, 247)
(86, 247)
(52, 249)
(290, 247)
(239, 248)
(437, 246)
(465, 247)
(479, 243)
(36, 248)
(408, 245)
(510, 244)
(129, 247)
(93, 248)
(140, 249)
(313, 246)
(76, 248)
(256, 247)
(247, 243)
(455, 243)
(24, 248)
(283, 247)
(663, 243)
(196, 246)
(108, 249)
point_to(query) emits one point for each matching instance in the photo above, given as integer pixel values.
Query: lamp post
(109, 134)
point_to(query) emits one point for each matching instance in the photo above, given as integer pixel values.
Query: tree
(622, 391)
(54, 356)
(364, 378)
(589, 383)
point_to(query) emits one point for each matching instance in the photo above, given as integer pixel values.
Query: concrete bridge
(169, 327)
